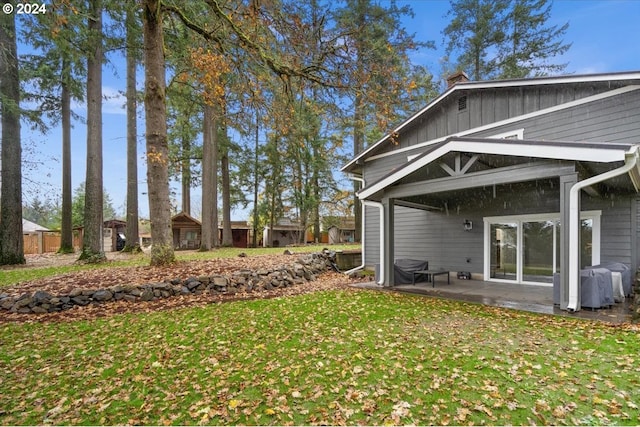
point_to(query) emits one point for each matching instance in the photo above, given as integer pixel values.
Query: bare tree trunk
(358, 146)
(316, 189)
(209, 182)
(255, 185)
(162, 251)
(186, 176)
(227, 237)
(132, 235)
(93, 250)
(66, 239)
(11, 243)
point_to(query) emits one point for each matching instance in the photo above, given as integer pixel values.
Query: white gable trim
(500, 84)
(512, 120)
(588, 152)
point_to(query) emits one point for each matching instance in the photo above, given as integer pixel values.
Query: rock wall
(305, 269)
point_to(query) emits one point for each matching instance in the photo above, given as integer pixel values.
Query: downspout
(381, 207)
(361, 266)
(631, 161)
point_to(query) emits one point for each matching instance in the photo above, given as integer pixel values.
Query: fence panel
(30, 242)
(51, 242)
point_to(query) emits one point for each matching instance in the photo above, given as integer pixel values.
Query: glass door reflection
(504, 251)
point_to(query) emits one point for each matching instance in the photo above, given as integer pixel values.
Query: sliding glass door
(538, 250)
(526, 248)
(504, 250)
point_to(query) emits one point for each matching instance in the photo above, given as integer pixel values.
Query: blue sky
(604, 34)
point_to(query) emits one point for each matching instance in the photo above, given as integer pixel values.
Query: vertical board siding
(440, 238)
(371, 238)
(488, 105)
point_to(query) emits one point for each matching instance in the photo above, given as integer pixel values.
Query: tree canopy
(259, 102)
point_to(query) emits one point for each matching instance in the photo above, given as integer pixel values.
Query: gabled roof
(557, 150)
(184, 217)
(494, 84)
(31, 227)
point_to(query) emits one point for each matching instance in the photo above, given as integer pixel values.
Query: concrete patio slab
(532, 298)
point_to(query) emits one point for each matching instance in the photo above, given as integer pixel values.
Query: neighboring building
(285, 232)
(240, 233)
(29, 227)
(510, 180)
(187, 231)
(113, 235)
(340, 229)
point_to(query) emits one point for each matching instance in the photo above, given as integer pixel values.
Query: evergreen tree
(93, 247)
(58, 67)
(132, 53)
(530, 44)
(381, 72)
(11, 242)
(475, 33)
(162, 252)
(504, 38)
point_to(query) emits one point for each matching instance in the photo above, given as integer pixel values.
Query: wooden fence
(48, 241)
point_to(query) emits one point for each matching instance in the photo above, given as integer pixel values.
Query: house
(187, 231)
(510, 180)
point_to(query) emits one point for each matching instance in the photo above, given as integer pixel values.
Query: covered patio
(507, 187)
(531, 298)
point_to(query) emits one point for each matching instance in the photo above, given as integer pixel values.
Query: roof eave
(585, 78)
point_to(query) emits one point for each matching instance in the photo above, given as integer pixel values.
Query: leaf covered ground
(338, 356)
(106, 276)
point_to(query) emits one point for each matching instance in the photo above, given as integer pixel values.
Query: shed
(113, 235)
(240, 232)
(187, 231)
(285, 232)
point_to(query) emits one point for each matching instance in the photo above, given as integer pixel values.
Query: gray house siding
(614, 119)
(440, 238)
(486, 106)
(371, 236)
(615, 238)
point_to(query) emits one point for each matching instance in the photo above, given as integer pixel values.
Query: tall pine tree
(11, 243)
(503, 39)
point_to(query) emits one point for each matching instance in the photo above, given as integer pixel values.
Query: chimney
(457, 77)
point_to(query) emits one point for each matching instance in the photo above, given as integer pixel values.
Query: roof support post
(388, 241)
(566, 182)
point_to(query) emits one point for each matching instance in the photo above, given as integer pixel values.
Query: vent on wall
(462, 103)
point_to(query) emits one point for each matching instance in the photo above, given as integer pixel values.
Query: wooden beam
(420, 206)
(505, 175)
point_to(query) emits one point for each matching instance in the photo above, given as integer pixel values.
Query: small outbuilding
(187, 231)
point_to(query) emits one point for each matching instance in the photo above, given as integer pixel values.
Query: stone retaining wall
(305, 269)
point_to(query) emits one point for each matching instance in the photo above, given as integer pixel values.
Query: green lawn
(13, 276)
(336, 357)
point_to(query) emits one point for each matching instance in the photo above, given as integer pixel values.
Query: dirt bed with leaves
(111, 276)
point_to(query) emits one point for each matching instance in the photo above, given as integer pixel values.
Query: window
(512, 134)
(462, 103)
(526, 248)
